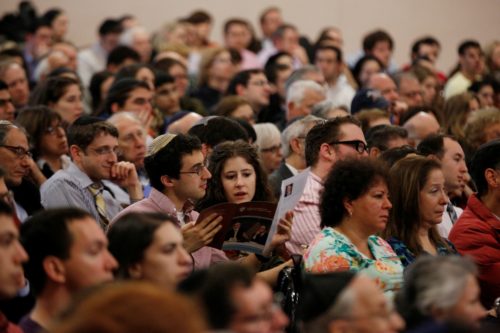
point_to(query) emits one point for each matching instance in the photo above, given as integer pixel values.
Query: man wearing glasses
(252, 85)
(90, 181)
(326, 143)
(176, 168)
(16, 161)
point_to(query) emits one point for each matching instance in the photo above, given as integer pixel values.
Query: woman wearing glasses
(47, 138)
(354, 207)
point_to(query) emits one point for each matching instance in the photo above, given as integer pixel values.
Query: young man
(12, 257)
(476, 231)
(469, 60)
(252, 85)
(68, 253)
(447, 150)
(85, 183)
(326, 144)
(178, 175)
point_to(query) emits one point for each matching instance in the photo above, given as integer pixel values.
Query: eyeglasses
(105, 150)
(54, 129)
(260, 83)
(274, 149)
(19, 151)
(197, 169)
(359, 145)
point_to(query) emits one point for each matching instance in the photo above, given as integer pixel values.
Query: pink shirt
(306, 217)
(158, 202)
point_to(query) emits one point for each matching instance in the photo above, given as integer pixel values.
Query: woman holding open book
(237, 177)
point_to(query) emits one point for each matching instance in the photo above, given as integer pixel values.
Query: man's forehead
(351, 132)
(7, 225)
(195, 157)
(104, 138)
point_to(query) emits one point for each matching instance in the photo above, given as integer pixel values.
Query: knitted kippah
(159, 143)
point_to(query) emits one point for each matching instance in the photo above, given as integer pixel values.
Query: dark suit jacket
(279, 175)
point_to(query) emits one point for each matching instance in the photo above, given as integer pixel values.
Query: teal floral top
(407, 257)
(333, 251)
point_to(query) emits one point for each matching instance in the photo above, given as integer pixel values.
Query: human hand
(201, 233)
(124, 175)
(284, 231)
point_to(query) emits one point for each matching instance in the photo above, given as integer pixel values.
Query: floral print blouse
(333, 251)
(407, 257)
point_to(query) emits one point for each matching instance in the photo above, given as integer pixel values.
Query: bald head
(183, 125)
(385, 85)
(420, 126)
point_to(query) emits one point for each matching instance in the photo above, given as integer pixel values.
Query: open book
(250, 226)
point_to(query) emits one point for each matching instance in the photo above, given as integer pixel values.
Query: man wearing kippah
(178, 174)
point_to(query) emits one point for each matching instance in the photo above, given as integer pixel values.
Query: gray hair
(298, 89)
(267, 134)
(5, 127)
(323, 108)
(342, 308)
(117, 117)
(127, 37)
(300, 74)
(297, 129)
(437, 282)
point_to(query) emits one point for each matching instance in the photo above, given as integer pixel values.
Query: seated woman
(63, 95)
(354, 207)
(47, 138)
(235, 107)
(148, 246)
(419, 200)
(238, 177)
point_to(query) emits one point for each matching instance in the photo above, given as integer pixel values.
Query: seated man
(85, 183)
(301, 97)
(68, 253)
(6, 107)
(12, 257)
(476, 231)
(383, 137)
(345, 302)
(235, 299)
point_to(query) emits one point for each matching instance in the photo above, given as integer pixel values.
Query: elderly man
(419, 126)
(138, 38)
(16, 80)
(301, 97)
(293, 141)
(6, 107)
(387, 88)
(345, 302)
(409, 89)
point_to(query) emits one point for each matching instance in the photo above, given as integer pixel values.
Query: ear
(54, 269)
(374, 152)
(348, 205)
(434, 157)
(240, 89)
(205, 149)
(295, 146)
(135, 271)
(326, 152)
(75, 152)
(166, 181)
(114, 107)
(491, 177)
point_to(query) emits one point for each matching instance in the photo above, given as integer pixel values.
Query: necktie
(97, 191)
(451, 213)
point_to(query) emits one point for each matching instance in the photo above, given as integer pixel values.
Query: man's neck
(321, 169)
(296, 161)
(178, 202)
(491, 202)
(49, 305)
(332, 81)
(468, 75)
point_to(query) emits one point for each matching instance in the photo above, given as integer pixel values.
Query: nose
(444, 198)
(388, 203)
(206, 173)
(21, 255)
(184, 258)
(111, 263)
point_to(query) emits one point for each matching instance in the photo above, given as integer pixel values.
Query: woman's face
(468, 309)
(165, 261)
(486, 96)
(70, 105)
(53, 141)
(369, 68)
(146, 75)
(432, 199)
(238, 180)
(60, 26)
(372, 208)
(244, 112)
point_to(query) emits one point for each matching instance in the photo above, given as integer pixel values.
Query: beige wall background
(450, 21)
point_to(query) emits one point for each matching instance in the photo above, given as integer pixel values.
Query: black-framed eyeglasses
(359, 145)
(19, 151)
(197, 169)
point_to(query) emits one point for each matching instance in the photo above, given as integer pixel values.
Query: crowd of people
(109, 153)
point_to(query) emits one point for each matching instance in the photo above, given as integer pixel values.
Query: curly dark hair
(222, 153)
(349, 179)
